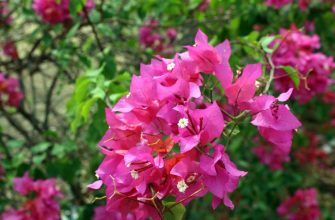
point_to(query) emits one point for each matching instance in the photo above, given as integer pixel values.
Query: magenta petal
(216, 202)
(201, 37)
(188, 143)
(285, 96)
(95, 185)
(207, 165)
(224, 74)
(228, 202)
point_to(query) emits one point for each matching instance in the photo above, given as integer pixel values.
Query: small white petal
(170, 66)
(183, 123)
(182, 186)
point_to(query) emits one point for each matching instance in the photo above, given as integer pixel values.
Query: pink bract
(54, 12)
(303, 205)
(298, 50)
(42, 206)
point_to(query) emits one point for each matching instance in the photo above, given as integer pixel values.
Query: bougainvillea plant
(303, 205)
(56, 11)
(164, 137)
(296, 49)
(42, 202)
(10, 93)
(149, 37)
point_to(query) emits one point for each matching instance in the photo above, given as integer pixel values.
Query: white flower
(134, 174)
(170, 66)
(183, 123)
(182, 186)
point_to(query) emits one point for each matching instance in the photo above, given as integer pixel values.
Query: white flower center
(170, 66)
(183, 123)
(134, 174)
(182, 186)
(127, 96)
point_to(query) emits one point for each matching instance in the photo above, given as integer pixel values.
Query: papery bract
(298, 50)
(303, 205)
(54, 12)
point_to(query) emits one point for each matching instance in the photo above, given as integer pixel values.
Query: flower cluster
(42, 206)
(56, 11)
(203, 5)
(150, 37)
(162, 137)
(302, 206)
(9, 49)
(10, 93)
(298, 50)
(100, 213)
(5, 18)
(311, 153)
(303, 4)
(275, 124)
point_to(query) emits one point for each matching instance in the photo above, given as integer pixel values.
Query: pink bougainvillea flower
(161, 140)
(244, 88)
(10, 93)
(54, 12)
(270, 114)
(9, 49)
(275, 123)
(42, 206)
(303, 4)
(278, 3)
(200, 126)
(23, 185)
(298, 50)
(187, 180)
(211, 60)
(303, 205)
(151, 37)
(220, 176)
(203, 5)
(5, 18)
(310, 154)
(100, 213)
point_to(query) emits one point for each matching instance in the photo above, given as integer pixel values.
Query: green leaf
(252, 36)
(234, 25)
(116, 96)
(231, 130)
(87, 107)
(81, 90)
(175, 213)
(72, 31)
(93, 73)
(293, 74)
(98, 93)
(265, 42)
(38, 159)
(41, 147)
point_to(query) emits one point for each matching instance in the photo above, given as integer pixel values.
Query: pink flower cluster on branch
(162, 137)
(56, 11)
(298, 50)
(150, 37)
(303, 4)
(42, 206)
(10, 93)
(10, 50)
(303, 205)
(5, 18)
